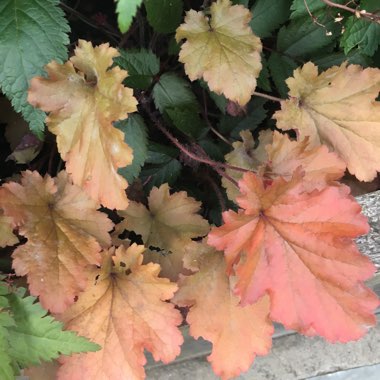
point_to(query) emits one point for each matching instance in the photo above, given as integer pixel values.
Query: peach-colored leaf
(166, 227)
(64, 231)
(222, 49)
(237, 333)
(83, 98)
(337, 108)
(320, 166)
(298, 247)
(124, 310)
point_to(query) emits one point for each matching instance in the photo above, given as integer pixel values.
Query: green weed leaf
(32, 33)
(126, 10)
(164, 15)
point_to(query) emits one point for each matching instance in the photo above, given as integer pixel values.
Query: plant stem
(219, 167)
(370, 16)
(266, 96)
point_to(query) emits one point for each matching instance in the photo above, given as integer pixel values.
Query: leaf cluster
(183, 161)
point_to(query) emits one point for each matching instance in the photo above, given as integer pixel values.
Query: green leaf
(164, 15)
(281, 68)
(172, 91)
(336, 59)
(187, 120)
(299, 8)
(255, 115)
(268, 15)
(37, 336)
(126, 10)
(32, 33)
(6, 370)
(135, 132)
(162, 166)
(302, 37)
(142, 65)
(263, 80)
(362, 33)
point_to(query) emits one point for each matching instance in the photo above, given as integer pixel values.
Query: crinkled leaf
(222, 50)
(170, 222)
(37, 336)
(64, 231)
(299, 248)
(135, 135)
(32, 33)
(320, 166)
(164, 15)
(337, 108)
(244, 155)
(142, 65)
(237, 333)
(126, 10)
(268, 15)
(123, 309)
(83, 98)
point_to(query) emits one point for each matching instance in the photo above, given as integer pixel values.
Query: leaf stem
(359, 14)
(266, 96)
(219, 167)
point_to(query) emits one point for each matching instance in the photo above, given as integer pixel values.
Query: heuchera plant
(176, 189)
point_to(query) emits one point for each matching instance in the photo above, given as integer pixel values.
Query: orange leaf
(222, 49)
(84, 97)
(166, 227)
(337, 108)
(298, 247)
(237, 333)
(64, 232)
(124, 310)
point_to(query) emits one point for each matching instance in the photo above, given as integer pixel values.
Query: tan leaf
(237, 333)
(124, 310)
(320, 166)
(222, 49)
(6, 231)
(166, 227)
(245, 156)
(337, 108)
(83, 98)
(64, 231)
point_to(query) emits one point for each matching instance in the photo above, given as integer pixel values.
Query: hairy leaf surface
(222, 50)
(84, 97)
(64, 231)
(337, 108)
(124, 310)
(298, 247)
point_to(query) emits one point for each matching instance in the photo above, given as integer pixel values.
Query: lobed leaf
(65, 234)
(123, 309)
(237, 333)
(297, 247)
(166, 227)
(83, 98)
(337, 108)
(222, 50)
